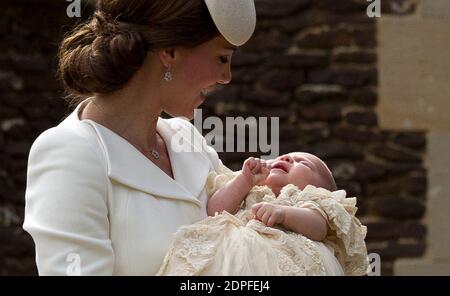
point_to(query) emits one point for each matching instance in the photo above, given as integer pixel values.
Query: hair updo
(101, 55)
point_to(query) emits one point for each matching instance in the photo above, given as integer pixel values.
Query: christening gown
(238, 245)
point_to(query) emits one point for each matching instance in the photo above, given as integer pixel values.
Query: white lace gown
(237, 245)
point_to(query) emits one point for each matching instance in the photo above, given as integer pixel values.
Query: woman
(107, 187)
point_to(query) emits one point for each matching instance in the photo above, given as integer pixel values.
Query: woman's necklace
(154, 151)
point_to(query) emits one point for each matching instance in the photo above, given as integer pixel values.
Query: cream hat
(235, 19)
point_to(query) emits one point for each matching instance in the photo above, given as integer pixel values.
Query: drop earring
(168, 75)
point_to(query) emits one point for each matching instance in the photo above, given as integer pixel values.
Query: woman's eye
(224, 60)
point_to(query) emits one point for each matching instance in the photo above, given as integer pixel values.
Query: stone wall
(312, 63)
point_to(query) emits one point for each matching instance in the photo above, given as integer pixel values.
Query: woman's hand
(255, 171)
(268, 213)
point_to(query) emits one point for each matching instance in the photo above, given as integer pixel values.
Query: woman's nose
(226, 77)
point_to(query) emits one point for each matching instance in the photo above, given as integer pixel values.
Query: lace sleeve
(218, 179)
(346, 233)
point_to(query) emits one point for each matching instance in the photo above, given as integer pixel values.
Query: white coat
(96, 206)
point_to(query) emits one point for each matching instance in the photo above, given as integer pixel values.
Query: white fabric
(240, 245)
(91, 195)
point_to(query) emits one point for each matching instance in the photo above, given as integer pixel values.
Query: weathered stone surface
(336, 36)
(280, 112)
(398, 7)
(389, 186)
(344, 76)
(310, 133)
(342, 5)
(360, 117)
(288, 147)
(360, 134)
(2, 141)
(266, 97)
(271, 41)
(400, 168)
(289, 132)
(283, 80)
(323, 112)
(415, 140)
(336, 149)
(245, 59)
(230, 94)
(352, 189)
(299, 59)
(416, 183)
(312, 93)
(349, 76)
(7, 113)
(266, 8)
(367, 170)
(343, 171)
(398, 207)
(314, 18)
(382, 229)
(330, 111)
(6, 185)
(245, 75)
(395, 154)
(367, 96)
(391, 250)
(18, 148)
(353, 55)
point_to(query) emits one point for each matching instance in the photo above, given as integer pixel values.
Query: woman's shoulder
(69, 136)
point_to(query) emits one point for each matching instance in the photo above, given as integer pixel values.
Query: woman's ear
(167, 56)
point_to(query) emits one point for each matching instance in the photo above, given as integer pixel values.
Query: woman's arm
(66, 209)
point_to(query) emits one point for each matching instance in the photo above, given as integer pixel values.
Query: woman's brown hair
(101, 55)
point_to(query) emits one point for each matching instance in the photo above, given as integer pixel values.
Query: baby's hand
(268, 213)
(255, 170)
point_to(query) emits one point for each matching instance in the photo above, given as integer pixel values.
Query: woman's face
(196, 71)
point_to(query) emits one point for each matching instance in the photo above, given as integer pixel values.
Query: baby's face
(297, 168)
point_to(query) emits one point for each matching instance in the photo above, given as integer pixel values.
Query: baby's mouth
(279, 166)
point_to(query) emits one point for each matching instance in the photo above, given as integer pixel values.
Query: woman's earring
(168, 76)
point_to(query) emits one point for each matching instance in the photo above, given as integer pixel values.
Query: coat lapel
(190, 168)
(130, 167)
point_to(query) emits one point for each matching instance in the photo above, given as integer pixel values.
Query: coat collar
(130, 167)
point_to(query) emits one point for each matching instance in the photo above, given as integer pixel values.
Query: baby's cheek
(301, 179)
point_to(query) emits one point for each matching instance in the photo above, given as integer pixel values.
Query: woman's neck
(133, 119)
(132, 111)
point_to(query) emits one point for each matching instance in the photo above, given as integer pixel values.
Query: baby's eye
(223, 59)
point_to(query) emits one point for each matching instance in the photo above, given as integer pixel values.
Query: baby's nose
(287, 158)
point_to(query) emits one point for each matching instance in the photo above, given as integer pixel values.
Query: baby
(280, 217)
(296, 168)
